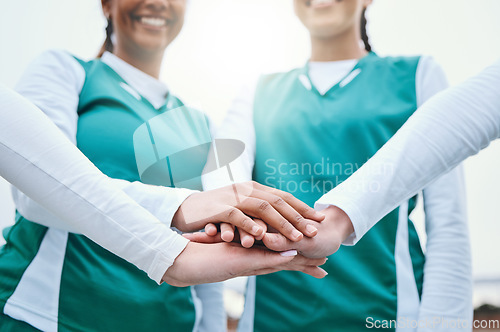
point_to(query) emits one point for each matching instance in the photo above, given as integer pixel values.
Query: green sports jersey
(306, 144)
(96, 290)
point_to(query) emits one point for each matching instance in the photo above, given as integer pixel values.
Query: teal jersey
(306, 144)
(97, 290)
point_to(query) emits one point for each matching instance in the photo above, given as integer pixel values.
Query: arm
(238, 124)
(450, 127)
(38, 159)
(447, 288)
(53, 83)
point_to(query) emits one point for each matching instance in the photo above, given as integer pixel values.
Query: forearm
(39, 160)
(237, 125)
(452, 126)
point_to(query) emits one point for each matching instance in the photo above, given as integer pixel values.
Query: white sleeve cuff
(166, 258)
(162, 202)
(357, 220)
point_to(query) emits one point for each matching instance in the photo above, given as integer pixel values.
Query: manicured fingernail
(289, 253)
(296, 234)
(311, 229)
(319, 214)
(256, 229)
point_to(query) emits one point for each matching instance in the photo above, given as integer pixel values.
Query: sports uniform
(312, 128)
(59, 280)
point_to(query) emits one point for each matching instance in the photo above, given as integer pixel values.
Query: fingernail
(311, 229)
(256, 229)
(296, 234)
(289, 253)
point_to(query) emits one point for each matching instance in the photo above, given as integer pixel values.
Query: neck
(149, 63)
(340, 47)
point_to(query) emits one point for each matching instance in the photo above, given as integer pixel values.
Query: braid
(364, 36)
(108, 44)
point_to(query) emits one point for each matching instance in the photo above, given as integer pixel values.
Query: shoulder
(57, 59)
(53, 66)
(279, 77)
(430, 79)
(398, 64)
(429, 66)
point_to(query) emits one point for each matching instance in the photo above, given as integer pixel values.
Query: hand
(228, 233)
(206, 263)
(336, 227)
(331, 233)
(234, 205)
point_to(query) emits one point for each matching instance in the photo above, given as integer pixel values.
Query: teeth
(154, 21)
(321, 2)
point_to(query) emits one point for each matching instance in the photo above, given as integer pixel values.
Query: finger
(246, 239)
(305, 210)
(245, 261)
(300, 260)
(315, 271)
(305, 226)
(264, 227)
(277, 242)
(265, 211)
(211, 229)
(238, 219)
(227, 232)
(202, 237)
(263, 271)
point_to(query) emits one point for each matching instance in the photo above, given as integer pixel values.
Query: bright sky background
(227, 42)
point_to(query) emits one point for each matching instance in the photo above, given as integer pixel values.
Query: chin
(324, 31)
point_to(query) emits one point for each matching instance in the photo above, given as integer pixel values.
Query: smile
(320, 3)
(153, 22)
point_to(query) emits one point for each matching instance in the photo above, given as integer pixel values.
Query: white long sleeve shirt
(39, 160)
(446, 222)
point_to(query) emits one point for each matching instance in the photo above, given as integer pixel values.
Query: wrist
(342, 221)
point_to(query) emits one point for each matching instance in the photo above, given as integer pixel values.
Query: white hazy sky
(226, 42)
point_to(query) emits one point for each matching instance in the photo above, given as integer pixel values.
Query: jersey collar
(305, 80)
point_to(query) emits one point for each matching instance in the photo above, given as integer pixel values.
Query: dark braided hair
(108, 44)
(364, 36)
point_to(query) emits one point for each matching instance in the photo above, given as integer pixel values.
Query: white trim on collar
(147, 86)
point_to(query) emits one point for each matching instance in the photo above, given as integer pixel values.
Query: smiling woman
(83, 98)
(142, 32)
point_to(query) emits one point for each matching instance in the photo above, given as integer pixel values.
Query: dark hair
(108, 44)
(364, 36)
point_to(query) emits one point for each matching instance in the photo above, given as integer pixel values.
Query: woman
(53, 279)
(448, 128)
(313, 127)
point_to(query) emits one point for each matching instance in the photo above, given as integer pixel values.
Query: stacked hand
(237, 205)
(205, 263)
(249, 208)
(331, 233)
